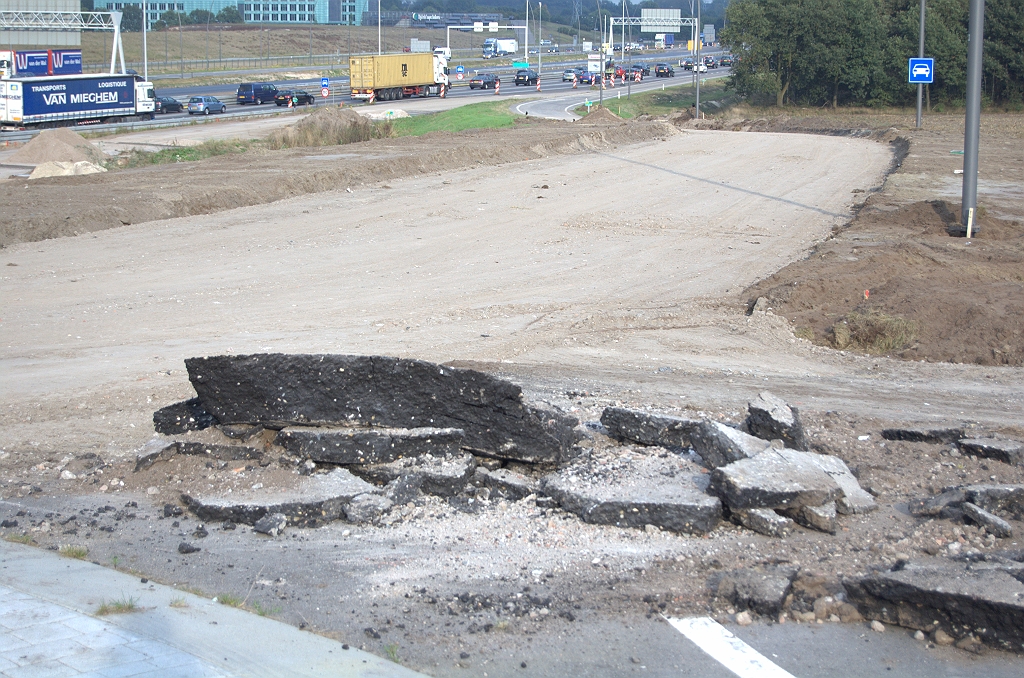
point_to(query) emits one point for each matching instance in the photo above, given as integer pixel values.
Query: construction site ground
(594, 263)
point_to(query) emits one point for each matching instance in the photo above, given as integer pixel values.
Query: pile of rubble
(365, 435)
(389, 429)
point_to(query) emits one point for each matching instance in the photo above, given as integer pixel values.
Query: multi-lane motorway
(550, 97)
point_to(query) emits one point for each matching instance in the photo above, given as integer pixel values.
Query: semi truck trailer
(58, 101)
(496, 47)
(27, 63)
(388, 77)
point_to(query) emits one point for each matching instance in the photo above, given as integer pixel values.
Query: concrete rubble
(315, 500)
(278, 391)
(664, 491)
(648, 429)
(367, 446)
(771, 418)
(719, 444)
(763, 590)
(1004, 501)
(444, 476)
(981, 600)
(1006, 451)
(922, 435)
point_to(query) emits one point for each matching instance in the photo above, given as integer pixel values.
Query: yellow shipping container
(378, 72)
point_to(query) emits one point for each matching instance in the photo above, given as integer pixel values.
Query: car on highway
(168, 105)
(646, 68)
(687, 64)
(204, 105)
(702, 68)
(570, 73)
(300, 97)
(526, 76)
(664, 71)
(638, 68)
(726, 61)
(589, 78)
(710, 62)
(483, 81)
(255, 92)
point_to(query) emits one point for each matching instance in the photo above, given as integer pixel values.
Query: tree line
(836, 52)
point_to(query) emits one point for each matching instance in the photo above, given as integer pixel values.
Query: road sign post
(920, 71)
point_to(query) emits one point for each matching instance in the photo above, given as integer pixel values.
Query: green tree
(201, 16)
(86, 5)
(229, 15)
(131, 19)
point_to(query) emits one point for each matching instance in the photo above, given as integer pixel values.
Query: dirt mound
(324, 127)
(602, 115)
(896, 283)
(65, 169)
(57, 145)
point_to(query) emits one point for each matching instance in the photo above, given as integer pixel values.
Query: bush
(873, 332)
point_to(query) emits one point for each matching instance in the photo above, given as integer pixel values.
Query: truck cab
(145, 98)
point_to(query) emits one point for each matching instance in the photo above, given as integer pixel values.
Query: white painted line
(725, 648)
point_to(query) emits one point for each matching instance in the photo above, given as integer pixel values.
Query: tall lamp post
(920, 54)
(696, 63)
(145, 29)
(378, 29)
(972, 119)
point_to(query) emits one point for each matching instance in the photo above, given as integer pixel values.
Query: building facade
(40, 38)
(264, 12)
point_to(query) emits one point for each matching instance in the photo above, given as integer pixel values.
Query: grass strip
(486, 115)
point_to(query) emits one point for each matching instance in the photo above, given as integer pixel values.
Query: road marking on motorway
(725, 648)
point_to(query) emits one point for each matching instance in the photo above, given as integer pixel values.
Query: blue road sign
(921, 71)
(460, 69)
(325, 82)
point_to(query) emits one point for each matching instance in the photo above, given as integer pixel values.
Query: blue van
(256, 92)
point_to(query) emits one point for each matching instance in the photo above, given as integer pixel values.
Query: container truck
(496, 47)
(26, 63)
(56, 101)
(389, 77)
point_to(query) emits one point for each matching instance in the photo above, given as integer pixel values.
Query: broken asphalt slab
(367, 446)
(762, 590)
(315, 500)
(777, 479)
(771, 418)
(647, 429)
(719, 444)
(1007, 451)
(278, 390)
(443, 476)
(961, 599)
(664, 491)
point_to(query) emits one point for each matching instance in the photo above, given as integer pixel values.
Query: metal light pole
(972, 122)
(540, 37)
(697, 64)
(920, 54)
(145, 29)
(378, 29)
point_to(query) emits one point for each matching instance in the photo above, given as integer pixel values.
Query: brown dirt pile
(97, 202)
(964, 298)
(601, 115)
(324, 127)
(57, 145)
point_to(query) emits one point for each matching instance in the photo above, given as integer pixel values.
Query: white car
(922, 69)
(702, 68)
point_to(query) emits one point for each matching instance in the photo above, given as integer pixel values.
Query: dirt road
(616, 275)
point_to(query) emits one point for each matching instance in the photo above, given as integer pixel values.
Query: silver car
(205, 105)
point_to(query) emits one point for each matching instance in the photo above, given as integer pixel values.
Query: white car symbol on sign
(921, 69)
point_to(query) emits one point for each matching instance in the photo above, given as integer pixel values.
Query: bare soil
(601, 265)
